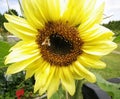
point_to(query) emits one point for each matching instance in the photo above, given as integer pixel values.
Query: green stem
(78, 93)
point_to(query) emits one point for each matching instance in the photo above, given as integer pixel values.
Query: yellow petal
(72, 11)
(32, 13)
(20, 27)
(48, 80)
(95, 18)
(31, 69)
(19, 21)
(22, 52)
(54, 85)
(75, 75)
(41, 11)
(54, 10)
(78, 11)
(96, 33)
(91, 61)
(67, 80)
(23, 34)
(19, 66)
(99, 48)
(41, 75)
(84, 72)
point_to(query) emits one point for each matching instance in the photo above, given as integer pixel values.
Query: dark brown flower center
(59, 43)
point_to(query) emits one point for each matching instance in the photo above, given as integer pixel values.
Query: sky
(112, 8)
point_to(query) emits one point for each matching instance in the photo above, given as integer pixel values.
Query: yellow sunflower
(60, 41)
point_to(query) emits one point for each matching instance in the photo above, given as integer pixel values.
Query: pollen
(59, 43)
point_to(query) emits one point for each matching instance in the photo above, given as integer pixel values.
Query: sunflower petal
(95, 18)
(32, 14)
(73, 7)
(54, 85)
(99, 48)
(31, 69)
(91, 61)
(48, 79)
(41, 11)
(96, 33)
(41, 75)
(54, 10)
(20, 27)
(84, 72)
(22, 34)
(17, 67)
(22, 52)
(67, 80)
(75, 75)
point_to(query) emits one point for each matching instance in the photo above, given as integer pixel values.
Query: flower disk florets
(60, 43)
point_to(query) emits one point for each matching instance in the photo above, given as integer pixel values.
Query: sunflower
(60, 41)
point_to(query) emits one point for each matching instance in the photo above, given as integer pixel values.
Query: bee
(46, 42)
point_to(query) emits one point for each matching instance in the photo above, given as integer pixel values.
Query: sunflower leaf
(112, 89)
(4, 50)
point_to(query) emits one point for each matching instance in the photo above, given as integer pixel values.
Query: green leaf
(112, 89)
(117, 39)
(4, 50)
(60, 94)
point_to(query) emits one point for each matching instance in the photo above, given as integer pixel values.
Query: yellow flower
(60, 41)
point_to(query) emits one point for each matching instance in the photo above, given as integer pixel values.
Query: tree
(12, 12)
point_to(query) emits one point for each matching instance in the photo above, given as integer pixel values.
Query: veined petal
(22, 53)
(23, 44)
(99, 48)
(54, 10)
(75, 75)
(84, 72)
(41, 11)
(96, 33)
(31, 69)
(87, 10)
(19, 21)
(20, 27)
(95, 18)
(78, 11)
(32, 14)
(41, 73)
(91, 61)
(20, 33)
(47, 80)
(71, 11)
(54, 85)
(19, 66)
(67, 80)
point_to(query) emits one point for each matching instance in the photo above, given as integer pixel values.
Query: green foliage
(9, 85)
(117, 39)
(60, 94)
(113, 25)
(4, 50)
(3, 19)
(12, 12)
(111, 88)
